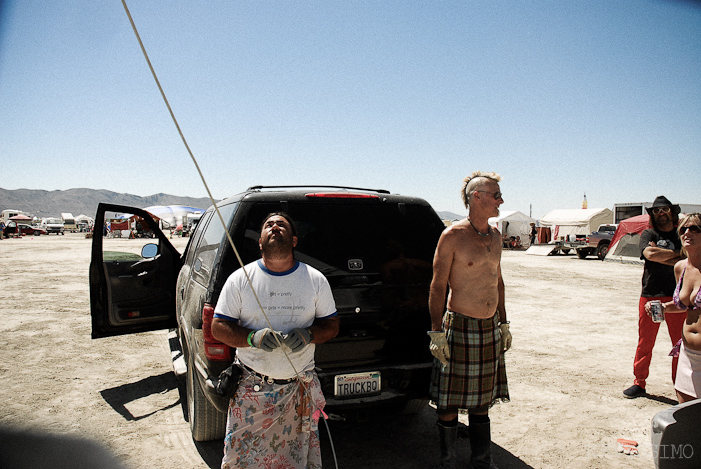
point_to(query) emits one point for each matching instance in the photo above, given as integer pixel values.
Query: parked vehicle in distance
(375, 249)
(12, 228)
(598, 242)
(69, 223)
(53, 225)
(189, 222)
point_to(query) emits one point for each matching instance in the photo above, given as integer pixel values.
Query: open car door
(133, 273)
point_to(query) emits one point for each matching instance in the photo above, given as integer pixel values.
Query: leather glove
(298, 338)
(266, 339)
(439, 346)
(505, 336)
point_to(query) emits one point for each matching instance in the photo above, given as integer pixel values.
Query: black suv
(375, 249)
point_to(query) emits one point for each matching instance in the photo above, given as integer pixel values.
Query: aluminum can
(656, 311)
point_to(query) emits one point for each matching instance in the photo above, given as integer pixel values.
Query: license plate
(357, 384)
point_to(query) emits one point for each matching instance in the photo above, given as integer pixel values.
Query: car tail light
(587, 238)
(341, 195)
(213, 349)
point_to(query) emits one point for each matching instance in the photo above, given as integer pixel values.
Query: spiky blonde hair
(474, 181)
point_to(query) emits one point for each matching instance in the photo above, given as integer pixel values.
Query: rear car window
(353, 238)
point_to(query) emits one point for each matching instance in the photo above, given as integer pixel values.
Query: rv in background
(633, 209)
(69, 222)
(6, 214)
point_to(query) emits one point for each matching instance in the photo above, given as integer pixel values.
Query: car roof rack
(380, 191)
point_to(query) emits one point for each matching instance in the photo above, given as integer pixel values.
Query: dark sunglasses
(693, 228)
(497, 194)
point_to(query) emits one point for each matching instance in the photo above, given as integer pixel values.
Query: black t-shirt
(658, 279)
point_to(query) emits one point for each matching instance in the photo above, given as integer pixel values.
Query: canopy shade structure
(576, 221)
(172, 214)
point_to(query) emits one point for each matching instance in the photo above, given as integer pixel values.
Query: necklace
(483, 235)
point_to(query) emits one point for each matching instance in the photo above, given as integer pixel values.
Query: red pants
(647, 334)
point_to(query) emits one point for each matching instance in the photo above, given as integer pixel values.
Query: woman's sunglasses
(693, 228)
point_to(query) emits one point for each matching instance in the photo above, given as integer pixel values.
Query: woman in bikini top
(679, 303)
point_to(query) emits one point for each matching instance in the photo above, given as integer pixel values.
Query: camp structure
(625, 243)
(582, 221)
(514, 224)
(172, 215)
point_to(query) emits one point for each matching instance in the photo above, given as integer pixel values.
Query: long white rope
(221, 219)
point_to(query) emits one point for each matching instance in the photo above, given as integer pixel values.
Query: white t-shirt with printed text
(290, 299)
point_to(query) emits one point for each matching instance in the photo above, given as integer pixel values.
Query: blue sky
(560, 97)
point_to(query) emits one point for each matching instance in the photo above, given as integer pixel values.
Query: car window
(196, 235)
(212, 237)
(126, 237)
(342, 239)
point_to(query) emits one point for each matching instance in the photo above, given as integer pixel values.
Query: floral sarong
(274, 426)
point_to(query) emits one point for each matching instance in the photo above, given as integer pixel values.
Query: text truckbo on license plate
(357, 384)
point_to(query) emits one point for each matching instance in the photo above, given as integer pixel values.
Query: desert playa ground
(574, 325)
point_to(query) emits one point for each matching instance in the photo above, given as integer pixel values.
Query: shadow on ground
(384, 439)
(118, 397)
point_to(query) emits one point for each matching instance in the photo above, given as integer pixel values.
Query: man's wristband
(249, 339)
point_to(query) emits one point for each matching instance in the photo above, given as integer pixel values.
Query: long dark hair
(675, 219)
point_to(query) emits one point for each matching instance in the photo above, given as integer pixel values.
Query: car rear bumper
(399, 383)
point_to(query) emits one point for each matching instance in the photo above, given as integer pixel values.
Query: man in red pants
(660, 248)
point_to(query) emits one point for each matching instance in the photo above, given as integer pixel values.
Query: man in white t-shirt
(273, 417)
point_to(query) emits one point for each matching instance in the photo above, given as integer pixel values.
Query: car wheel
(413, 406)
(601, 251)
(37, 232)
(206, 422)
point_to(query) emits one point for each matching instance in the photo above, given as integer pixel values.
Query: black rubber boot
(481, 446)
(448, 435)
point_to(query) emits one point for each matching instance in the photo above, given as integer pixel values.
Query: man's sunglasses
(693, 228)
(658, 210)
(497, 195)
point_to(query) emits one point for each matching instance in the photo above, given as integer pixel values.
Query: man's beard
(276, 248)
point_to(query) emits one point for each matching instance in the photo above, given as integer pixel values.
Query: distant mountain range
(40, 203)
(451, 216)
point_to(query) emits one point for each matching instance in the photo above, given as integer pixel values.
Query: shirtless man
(470, 338)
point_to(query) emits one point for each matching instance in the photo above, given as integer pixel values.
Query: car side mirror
(149, 251)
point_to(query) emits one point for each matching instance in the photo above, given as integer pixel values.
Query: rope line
(221, 219)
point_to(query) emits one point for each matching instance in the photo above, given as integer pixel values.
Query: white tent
(582, 221)
(84, 218)
(172, 214)
(516, 223)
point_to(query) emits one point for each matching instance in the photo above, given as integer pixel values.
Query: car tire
(413, 406)
(601, 251)
(37, 232)
(582, 253)
(206, 422)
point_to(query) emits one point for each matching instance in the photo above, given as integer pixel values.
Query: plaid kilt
(476, 373)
